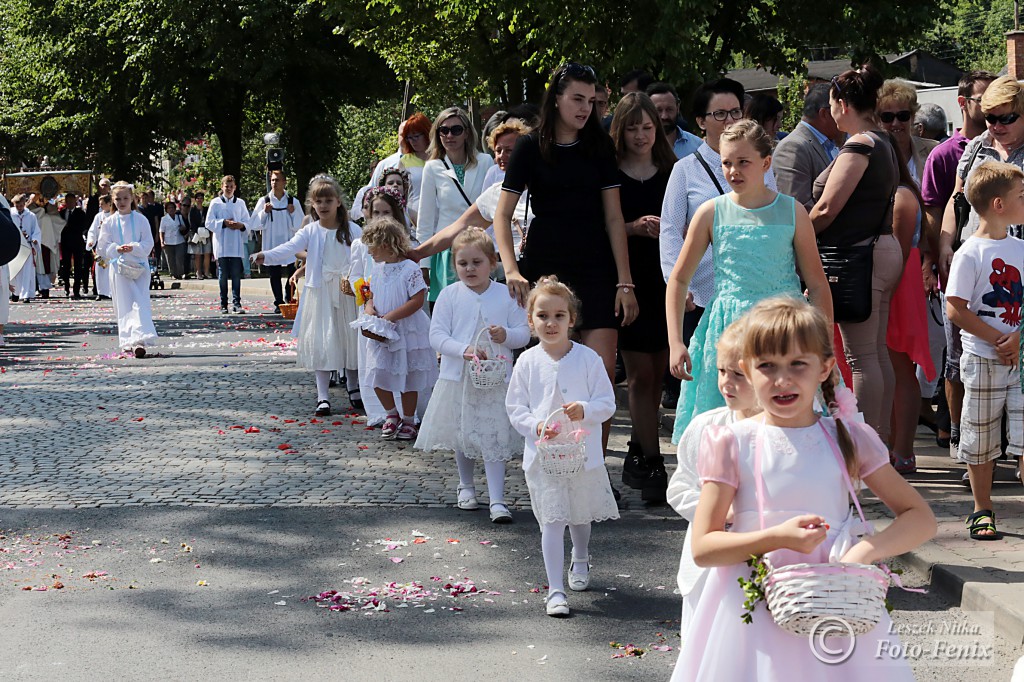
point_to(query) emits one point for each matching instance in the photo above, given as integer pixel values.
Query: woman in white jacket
(452, 180)
(326, 341)
(474, 318)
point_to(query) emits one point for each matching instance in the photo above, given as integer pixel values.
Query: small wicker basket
(563, 455)
(290, 309)
(799, 596)
(489, 373)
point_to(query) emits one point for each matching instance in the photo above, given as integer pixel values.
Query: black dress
(567, 236)
(649, 332)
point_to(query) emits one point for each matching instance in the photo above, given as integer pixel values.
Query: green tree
(971, 33)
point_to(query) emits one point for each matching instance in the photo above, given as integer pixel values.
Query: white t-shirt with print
(987, 274)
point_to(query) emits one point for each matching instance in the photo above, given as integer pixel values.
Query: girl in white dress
(126, 241)
(684, 486)
(402, 361)
(461, 417)
(327, 342)
(784, 475)
(559, 373)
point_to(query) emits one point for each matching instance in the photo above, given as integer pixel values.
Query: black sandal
(355, 398)
(975, 523)
(323, 408)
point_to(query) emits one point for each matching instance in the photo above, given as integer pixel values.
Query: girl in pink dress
(787, 356)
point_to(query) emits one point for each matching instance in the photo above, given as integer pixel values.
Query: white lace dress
(471, 420)
(408, 363)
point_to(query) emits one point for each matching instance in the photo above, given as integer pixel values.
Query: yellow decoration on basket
(362, 289)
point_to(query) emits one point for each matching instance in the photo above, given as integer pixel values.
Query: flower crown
(375, 192)
(396, 170)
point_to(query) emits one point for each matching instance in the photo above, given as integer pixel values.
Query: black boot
(635, 471)
(657, 481)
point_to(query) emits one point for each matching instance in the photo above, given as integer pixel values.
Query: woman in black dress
(568, 168)
(645, 162)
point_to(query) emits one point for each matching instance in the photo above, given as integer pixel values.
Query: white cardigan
(310, 239)
(540, 385)
(441, 203)
(453, 325)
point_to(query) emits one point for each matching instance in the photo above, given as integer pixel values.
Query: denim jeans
(230, 267)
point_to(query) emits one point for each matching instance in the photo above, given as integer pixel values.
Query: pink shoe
(407, 432)
(390, 428)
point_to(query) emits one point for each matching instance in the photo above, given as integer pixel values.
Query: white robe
(101, 275)
(50, 227)
(131, 297)
(25, 280)
(279, 225)
(227, 243)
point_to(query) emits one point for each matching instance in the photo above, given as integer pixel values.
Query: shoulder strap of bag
(458, 184)
(970, 162)
(711, 174)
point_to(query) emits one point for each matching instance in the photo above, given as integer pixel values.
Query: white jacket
(279, 225)
(455, 322)
(441, 203)
(310, 239)
(227, 243)
(539, 385)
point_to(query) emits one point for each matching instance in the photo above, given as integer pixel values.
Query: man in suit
(809, 149)
(72, 246)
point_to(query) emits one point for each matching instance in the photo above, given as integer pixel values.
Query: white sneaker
(557, 606)
(578, 582)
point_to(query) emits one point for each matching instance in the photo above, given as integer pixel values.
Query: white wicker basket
(564, 454)
(801, 595)
(488, 373)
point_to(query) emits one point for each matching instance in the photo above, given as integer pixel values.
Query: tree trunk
(227, 114)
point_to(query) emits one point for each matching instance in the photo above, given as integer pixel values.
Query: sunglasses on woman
(454, 131)
(574, 70)
(890, 116)
(1005, 119)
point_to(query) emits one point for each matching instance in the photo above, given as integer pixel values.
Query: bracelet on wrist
(626, 287)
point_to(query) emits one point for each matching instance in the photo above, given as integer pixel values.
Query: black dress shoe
(635, 471)
(657, 481)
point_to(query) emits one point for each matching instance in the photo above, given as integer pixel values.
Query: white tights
(495, 472)
(552, 544)
(323, 382)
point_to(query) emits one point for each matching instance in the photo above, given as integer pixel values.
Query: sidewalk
(977, 575)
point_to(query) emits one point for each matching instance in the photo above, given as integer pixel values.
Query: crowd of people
(768, 271)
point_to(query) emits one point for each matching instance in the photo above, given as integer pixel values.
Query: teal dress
(754, 260)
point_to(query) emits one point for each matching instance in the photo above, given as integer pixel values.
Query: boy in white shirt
(984, 296)
(226, 220)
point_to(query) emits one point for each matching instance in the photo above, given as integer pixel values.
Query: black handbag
(848, 270)
(962, 207)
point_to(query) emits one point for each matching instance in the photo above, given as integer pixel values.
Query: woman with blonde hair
(896, 108)
(452, 180)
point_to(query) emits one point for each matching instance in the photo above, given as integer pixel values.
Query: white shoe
(500, 513)
(557, 605)
(578, 582)
(467, 498)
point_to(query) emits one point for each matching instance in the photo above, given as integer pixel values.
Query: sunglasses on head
(454, 131)
(574, 70)
(890, 116)
(1005, 119)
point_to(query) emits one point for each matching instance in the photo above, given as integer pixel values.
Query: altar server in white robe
(101, 275)
(278, 216)
(26, 221)
(126, 236)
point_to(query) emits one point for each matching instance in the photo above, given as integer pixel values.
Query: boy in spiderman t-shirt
(984, 296)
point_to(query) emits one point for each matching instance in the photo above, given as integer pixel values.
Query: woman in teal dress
(763, 245)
